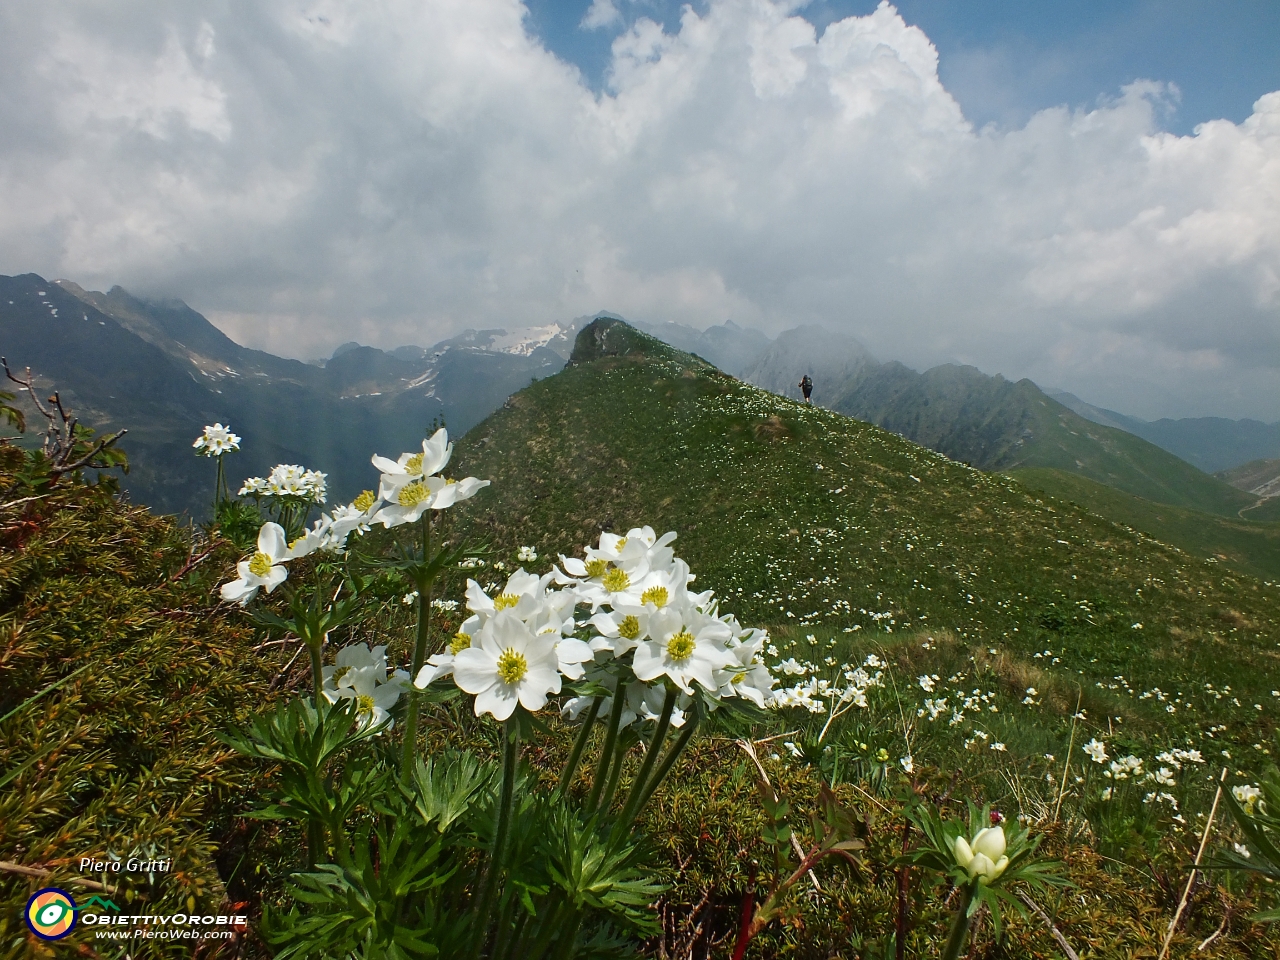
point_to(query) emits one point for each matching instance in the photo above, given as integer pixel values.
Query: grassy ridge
(800, 516)
(977, 595)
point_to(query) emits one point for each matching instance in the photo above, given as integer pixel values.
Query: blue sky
(1005, 59)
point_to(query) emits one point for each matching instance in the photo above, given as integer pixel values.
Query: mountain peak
(610, 337)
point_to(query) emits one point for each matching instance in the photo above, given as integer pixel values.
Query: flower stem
(419, 656)
(632, 806)
(606, 752)
(219, 485)
(568, 936)
(669, 761)
(571, 765)
(960, 926)
(510, 753)
(317, 669)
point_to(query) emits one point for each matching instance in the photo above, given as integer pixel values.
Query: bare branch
(85, 461)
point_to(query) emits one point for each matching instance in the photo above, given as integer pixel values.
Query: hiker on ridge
(806, 387)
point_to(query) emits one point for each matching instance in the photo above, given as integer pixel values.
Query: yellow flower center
(450, 482)
(629, 629)
(461, 641)
(739, 677)
(413, 494)
(339, 674)
(293, 544)
(364, 501)
(260, 565)
(512, 666)
(621, 543)
(364, 703)
(414, 464)
(680, 647)
(616, 580)
(658, 596)
(596, 568)
(505, 600)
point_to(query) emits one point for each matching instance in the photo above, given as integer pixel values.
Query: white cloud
(391, 172)
(601, 13)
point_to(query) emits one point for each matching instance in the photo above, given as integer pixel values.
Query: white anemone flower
(440, 664)
(684, 646)
(528, 597)
(619, 631)
(639, 586)
(507, 664)
(638, 554)
(983, 858)
(411, 500)
(353, 657)
(215, 441)
(436, 451)
(746, 675)
(264, 570)
(455, 491)
(374, 693)
(571, 654)
(311, 540)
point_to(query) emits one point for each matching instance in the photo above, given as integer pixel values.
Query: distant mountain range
(163, 371)
(1214, 444)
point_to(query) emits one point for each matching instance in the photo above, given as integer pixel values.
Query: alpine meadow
(508, 715)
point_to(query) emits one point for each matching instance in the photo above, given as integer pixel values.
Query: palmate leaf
(593, 873)
(301, 734)
(444, 788)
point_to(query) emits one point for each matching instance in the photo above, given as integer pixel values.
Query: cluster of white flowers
(360, 673)
(1249, 796)
(1124, 768)
(288, 480)
(407, 488)
(648, 634)
(413, 484)
(818, 695)
(215, 441)
(527, 555)
(266, 570)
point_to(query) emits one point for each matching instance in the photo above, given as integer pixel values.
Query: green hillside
(803, 517)
(1249, 545)
(996, 424)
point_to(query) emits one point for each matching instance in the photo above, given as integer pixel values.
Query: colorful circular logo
(51, 913)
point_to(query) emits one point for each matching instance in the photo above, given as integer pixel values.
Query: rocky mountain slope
(163, 371)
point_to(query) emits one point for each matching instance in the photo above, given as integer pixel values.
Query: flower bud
(990, 842)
